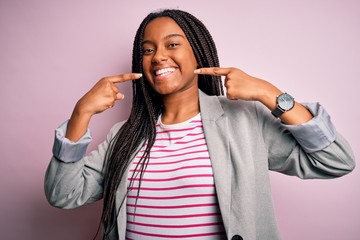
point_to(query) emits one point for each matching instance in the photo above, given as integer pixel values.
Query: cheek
(146, 67)
(192, 60)
(144, 63)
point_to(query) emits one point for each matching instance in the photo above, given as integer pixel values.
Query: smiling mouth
(164, 71)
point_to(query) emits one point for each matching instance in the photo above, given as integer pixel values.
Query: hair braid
(139, 130)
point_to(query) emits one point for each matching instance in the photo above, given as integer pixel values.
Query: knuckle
(104, 79)
(230, 93)
(230, 96)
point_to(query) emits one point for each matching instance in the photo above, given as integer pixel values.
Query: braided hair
(139, 130)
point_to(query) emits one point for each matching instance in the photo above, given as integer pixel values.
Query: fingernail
(138, 75)
(197, 71)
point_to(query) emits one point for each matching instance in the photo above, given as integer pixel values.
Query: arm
(71, 179)
(310, 150)
(240, 85)
(305, 142)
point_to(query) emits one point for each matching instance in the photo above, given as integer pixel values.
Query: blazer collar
(210, 107)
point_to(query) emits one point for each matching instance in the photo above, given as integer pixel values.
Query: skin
(240, 85)
(99, 98)
(166, 46)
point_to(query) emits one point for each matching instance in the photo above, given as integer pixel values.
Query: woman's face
(168, 59)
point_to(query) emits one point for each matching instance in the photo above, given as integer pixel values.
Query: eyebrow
(166, 37)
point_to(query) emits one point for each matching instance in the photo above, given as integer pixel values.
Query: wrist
(80, 110)
(284, 102)
(77, 126)
(267, 95)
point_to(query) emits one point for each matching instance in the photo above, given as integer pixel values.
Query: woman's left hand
(240, 85)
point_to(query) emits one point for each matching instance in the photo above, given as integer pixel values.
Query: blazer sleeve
(310, 150)
(69, 183)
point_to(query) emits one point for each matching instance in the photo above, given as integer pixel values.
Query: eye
(173, 45)
(147, 51)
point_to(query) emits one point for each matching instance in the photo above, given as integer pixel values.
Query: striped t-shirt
(177, 198)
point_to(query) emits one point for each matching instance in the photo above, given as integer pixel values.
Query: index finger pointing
(216, 71)
(125, 77)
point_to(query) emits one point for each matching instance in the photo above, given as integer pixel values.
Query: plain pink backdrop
(52, 52)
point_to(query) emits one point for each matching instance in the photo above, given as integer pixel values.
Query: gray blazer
(244, 142)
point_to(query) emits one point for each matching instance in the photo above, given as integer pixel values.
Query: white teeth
(164, 71)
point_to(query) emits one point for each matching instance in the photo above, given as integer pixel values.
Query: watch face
(285, 101)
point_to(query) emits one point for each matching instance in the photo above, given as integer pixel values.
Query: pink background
(52, 52)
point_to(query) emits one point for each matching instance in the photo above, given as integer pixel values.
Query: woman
(189, 163)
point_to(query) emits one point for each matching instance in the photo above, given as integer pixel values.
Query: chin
(163, 91)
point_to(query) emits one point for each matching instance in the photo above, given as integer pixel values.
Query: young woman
(190, 163)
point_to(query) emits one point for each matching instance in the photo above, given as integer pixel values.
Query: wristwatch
(284, 103)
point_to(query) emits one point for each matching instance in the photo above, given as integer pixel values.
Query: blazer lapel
(215, 128)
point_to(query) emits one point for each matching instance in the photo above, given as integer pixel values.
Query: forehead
(161, 27)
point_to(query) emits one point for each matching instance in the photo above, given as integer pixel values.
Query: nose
(159, 56)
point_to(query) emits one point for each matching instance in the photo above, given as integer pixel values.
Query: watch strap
(277, 112)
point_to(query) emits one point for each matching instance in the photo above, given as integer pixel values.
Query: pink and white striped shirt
(177, 196)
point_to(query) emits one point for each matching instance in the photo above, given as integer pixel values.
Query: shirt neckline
(178, 125)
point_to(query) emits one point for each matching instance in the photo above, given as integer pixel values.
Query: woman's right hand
(103, 94)
(99, 98)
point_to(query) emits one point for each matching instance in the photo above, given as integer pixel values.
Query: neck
(180, 107)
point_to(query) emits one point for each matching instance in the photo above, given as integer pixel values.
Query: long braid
(139, 130)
